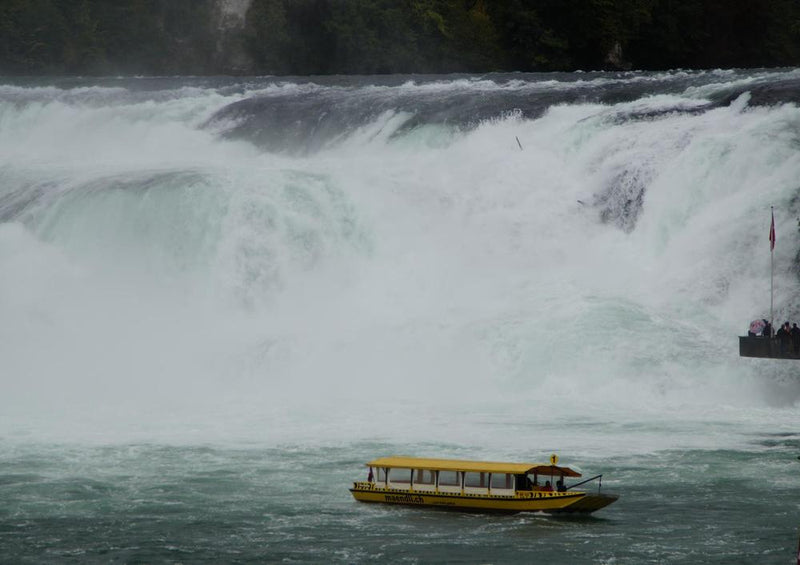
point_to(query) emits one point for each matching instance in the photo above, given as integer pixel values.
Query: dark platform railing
(767, 348)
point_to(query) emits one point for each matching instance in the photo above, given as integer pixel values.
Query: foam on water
(161, 279)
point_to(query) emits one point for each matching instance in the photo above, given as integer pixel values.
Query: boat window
(476, 480)
(424, 477)
(449, 478)
(502, 480)
(400, 475)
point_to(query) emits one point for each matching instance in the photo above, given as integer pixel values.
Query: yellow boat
(478, 486)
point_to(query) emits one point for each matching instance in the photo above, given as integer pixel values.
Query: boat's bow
(588, 504)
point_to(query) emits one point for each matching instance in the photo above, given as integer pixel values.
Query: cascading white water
(161, 277)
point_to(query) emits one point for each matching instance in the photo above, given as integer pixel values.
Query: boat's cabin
(445, 481)
(465, 477)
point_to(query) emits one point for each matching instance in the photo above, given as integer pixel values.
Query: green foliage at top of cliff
(105, 36)
(304, 37)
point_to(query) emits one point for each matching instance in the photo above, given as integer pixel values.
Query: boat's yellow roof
(471, 466)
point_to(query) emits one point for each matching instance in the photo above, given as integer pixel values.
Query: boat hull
(520, 502)
(588, 504)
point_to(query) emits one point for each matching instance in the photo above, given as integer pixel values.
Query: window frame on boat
(461, 476)
(450, 486)
(423, 480)
(399, 476)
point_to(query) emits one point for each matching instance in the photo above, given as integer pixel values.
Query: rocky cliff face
(615, 58)
(230, 54)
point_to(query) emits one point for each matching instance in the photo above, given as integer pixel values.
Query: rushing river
(219, 298)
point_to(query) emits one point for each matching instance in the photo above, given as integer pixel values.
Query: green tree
(593, 29)
(310, 44)
(457, 35)
(83, 49)
(720, 33)
(266, 36)
(372, 36)
(527, 43)
(674, 36)
(32, 38)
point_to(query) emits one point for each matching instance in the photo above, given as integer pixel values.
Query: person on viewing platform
(784, 338)
(767, 331)
(795, 331)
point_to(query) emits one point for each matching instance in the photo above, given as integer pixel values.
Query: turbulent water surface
(219, 298)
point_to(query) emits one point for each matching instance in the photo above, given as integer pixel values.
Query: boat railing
(766, 348)
(424, 487)
(599, 479)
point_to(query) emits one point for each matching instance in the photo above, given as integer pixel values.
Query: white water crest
(588, 264)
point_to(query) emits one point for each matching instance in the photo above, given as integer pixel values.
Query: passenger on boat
(370, 477)
(560, 486)
(547, 487)
(524, 483)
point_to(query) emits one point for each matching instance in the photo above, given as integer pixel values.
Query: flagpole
(771, 268)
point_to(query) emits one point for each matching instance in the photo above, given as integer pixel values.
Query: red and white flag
(772, 233)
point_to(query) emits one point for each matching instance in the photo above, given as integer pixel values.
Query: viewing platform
(765, 347)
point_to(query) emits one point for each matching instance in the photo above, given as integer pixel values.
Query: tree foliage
(395, 36)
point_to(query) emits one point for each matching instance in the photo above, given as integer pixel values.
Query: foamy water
(603, 269)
